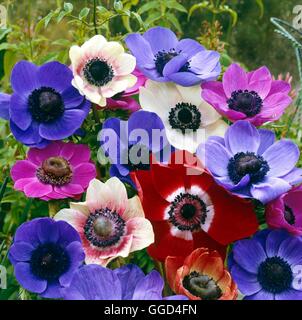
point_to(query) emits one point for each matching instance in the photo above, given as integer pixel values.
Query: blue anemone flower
(268, 266)
(162, 57)
(44, 105)
(93, 282)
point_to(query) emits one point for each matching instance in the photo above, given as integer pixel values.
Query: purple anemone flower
(45, 255)
(249, 162)
(254, 96)
(128, 144)
(44, 105)
(93, 282)
(162, 57)
(268, 266)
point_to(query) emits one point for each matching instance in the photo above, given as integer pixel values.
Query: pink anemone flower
(253, 96)
(109, 224)
(61, 170)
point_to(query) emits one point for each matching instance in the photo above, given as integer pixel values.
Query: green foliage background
(42, 31)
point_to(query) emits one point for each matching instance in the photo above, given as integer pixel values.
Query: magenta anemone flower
(61, 170)
(285, 212)
(252, 96)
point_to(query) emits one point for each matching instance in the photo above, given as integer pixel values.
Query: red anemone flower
(189, 210)
(200, 276)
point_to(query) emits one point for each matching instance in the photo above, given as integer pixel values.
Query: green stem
(94, 17)
(95, 113)
(53, 208)
(29, 31)
(160, 268)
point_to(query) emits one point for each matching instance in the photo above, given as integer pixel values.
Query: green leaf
(118, 5)
(148, 6)
(84, 13)
(61, 15)
(10, 59)
(4, 32)
(173, 4)
(68, 7)
(153, 17)
(261, 7)
(3, 187)
(139, 19)
(231, 12)
(61, 42)
(48, 18)
(171, 17)
(202, 5)
(101, 9)
(8, 46)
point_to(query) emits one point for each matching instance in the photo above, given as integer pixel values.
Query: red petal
(202, 240)
(168, 180)
(166, 244)
(154, 205)
(234, 217)
(172, 264)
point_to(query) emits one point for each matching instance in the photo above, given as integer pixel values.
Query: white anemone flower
(188, 119)
(101, 69)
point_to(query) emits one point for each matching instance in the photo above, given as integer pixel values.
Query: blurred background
(249, 39)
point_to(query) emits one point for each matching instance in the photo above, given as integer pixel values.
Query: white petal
(98, 195)
(78, 83)
(118, 194)
(186, 235)
(112, 50)
(209, 219)
(124, 64)
(118, 84)
(75, 218)
(142, 232)
(191, 94)
(81, 207)
(75, 55)
(93, 45)
(134, 209)
(216, 129)
(208, 114)
(188, 141)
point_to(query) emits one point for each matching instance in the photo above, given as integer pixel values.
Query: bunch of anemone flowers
(173, 214)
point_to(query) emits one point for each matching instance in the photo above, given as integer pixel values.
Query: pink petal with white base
(142, 232)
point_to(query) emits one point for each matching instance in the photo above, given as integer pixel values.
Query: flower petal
(242, 137)
(282, 157)
(234, 79)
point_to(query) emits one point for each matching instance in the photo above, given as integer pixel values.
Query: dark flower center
(45, 105)
(289, 215)
(98, 72)
(163, 57)
(247, 163)
(202, 286)
(275, 275)
(138, 157)
(247, 102)
(55, 171)
(187, 212)
(104, 228)
(49, 261)
(185, 116)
